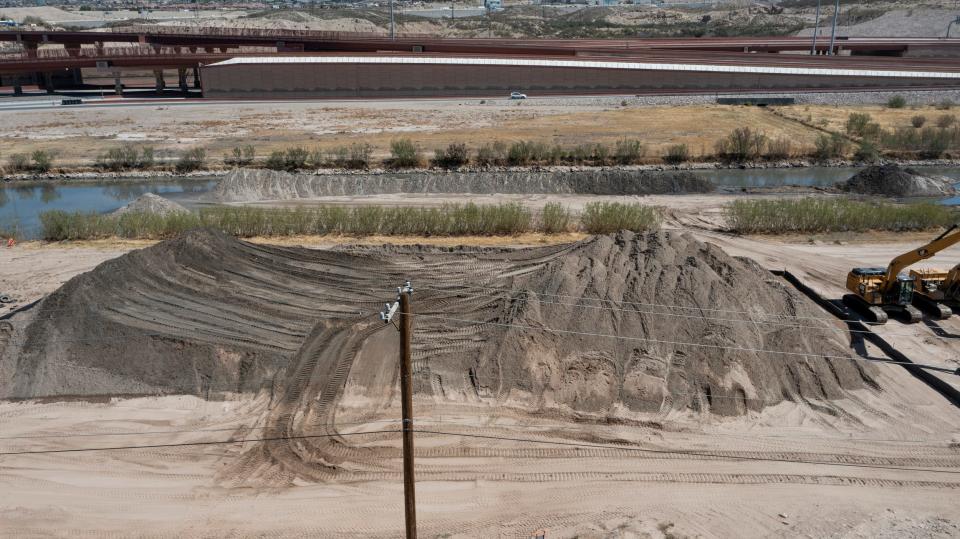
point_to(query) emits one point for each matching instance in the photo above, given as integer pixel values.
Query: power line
(696, 345)
(687, 453)
(188, 444)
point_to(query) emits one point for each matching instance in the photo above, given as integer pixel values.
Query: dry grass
(90, 132)
(835, 118)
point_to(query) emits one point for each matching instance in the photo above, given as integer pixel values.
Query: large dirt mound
(895, 181)
(207, 313)
(151, 203)
(245, 185)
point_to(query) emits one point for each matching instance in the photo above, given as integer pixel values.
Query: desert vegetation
(448, 220)
(811, 215)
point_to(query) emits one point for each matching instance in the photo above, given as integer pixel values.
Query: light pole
(816, 30)
(833, 35)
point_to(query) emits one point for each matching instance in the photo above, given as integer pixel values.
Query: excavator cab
(933, 291)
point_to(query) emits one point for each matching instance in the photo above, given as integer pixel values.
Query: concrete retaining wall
(306, 80)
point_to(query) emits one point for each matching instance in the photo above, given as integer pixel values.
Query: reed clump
(447, 220)
(812, 215)
(609, 217)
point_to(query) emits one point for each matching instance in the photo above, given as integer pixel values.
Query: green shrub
(830, 146)
(296, 158)
(404, 153)
(492, 154)
(454, 156)
(741, 144)
(676, 154)
(918, 121)
(609, 217)
(857, 123)
(42, 160)
(868, 152)
(811, 215)
(355, 156)
(192, 159)
(946, 121)
(946, 104)
(897, 102)
(629, 151)
(275, 160)
(555, 218)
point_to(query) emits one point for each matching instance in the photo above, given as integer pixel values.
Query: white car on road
(517, 95)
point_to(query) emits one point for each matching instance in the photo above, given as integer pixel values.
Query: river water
(21, 205)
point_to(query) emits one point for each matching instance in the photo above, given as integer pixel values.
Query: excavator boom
(950, 237)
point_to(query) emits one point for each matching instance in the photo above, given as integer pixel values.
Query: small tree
(404, 153)
(359, 155)
(918, 121)
(946, 121)
(857, 123)
(742, 143)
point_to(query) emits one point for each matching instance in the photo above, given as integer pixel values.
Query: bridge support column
(196, 78)
(161, 84)
(47, 82)
(30, 49)
(77, 75)
(117, 86)
(182, 79)
(17, 87)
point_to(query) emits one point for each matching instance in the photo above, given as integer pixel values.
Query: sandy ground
(892, 472)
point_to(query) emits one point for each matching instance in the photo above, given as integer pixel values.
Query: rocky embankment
(249, 185)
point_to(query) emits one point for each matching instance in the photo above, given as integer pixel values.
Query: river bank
(92, 175)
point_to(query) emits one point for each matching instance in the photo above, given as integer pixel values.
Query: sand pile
(246, 185)
(207, 313)
(151, 203)
(895, 181)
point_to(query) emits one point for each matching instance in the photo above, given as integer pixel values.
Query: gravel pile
(894, 181)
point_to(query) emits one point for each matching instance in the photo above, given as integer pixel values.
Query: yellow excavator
(878, 292)
(937, 291)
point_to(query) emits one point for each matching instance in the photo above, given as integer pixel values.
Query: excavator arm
(950, 237)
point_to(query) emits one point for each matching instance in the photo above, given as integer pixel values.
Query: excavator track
(871, 313)
(910, 314)
(935, 309)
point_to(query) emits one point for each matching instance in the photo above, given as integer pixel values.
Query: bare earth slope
(247, 185)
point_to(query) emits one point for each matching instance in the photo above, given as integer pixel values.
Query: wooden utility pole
(406, 397)
(406, 400)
